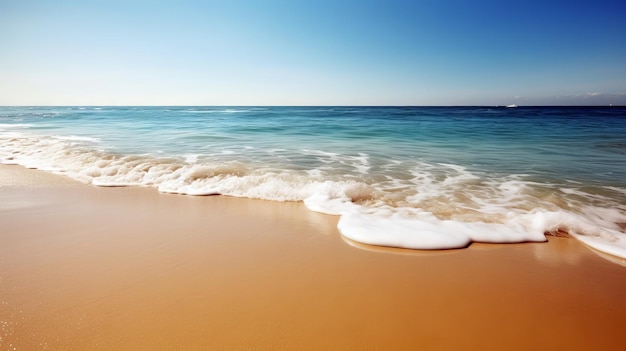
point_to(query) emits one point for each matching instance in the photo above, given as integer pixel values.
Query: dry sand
(88, 268)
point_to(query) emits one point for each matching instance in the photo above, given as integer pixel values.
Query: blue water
(394, 169)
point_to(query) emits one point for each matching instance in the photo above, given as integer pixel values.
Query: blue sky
(446, 52)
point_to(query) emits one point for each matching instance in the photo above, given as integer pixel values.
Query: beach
(100, 268)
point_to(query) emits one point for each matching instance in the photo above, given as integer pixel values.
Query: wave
(422, 206)
(228, 110)
(77, 138)
(14, 126)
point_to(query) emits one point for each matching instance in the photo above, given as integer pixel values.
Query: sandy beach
(93, 268)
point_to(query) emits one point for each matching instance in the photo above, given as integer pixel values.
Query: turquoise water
(415, 177)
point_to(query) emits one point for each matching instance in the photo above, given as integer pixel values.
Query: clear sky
(291, 52)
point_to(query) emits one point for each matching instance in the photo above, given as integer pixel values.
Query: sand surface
(88, 268)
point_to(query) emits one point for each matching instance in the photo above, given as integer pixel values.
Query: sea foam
(418, 205)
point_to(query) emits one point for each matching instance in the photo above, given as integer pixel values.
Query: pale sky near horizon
(421, 52)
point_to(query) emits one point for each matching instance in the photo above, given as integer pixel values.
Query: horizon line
(503, 106)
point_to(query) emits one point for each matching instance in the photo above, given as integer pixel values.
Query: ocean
(408, 177)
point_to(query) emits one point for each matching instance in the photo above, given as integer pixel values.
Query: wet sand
(89, 268)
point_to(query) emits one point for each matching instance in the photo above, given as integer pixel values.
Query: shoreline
(84, 267)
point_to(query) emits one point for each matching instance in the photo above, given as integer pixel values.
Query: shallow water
(413, 177)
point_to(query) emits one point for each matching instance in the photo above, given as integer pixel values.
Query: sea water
(410, 177)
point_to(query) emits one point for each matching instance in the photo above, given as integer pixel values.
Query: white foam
(615, 247)
(400, 232)
(335, 198)
(428, 206)
(228, 110)
(77, 138)
(416, 229)
(200, 111)
(14, 126)
(191, 158)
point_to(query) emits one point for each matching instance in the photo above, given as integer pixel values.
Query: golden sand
(88, 268)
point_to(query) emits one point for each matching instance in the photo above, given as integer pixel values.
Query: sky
(291, 52)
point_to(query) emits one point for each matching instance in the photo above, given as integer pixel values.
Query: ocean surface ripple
(409, 177)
